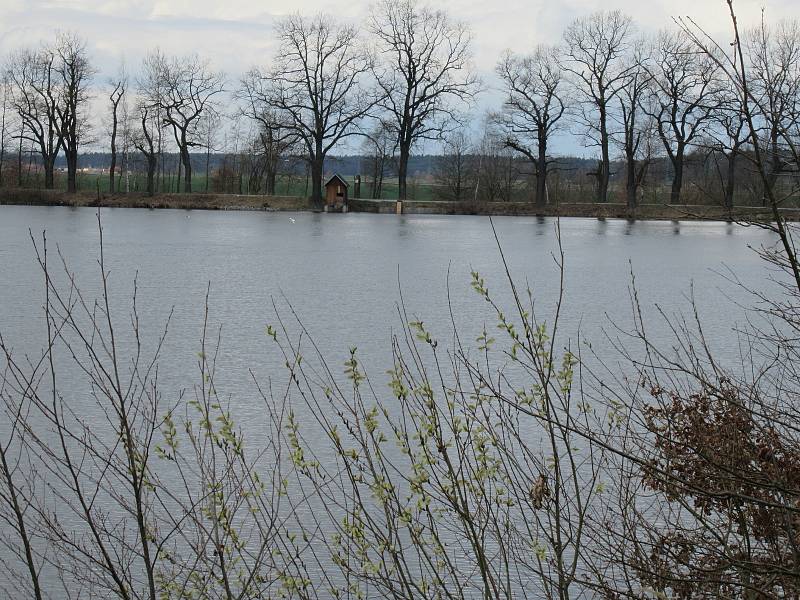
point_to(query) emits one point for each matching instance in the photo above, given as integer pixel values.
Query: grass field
(418, 189)
(286, 185)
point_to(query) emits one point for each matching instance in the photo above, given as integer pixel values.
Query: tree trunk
(49, 179)
(605, 160)
(187, 169)
(18, 506)
(677, 177)
(730, 184)
(151, 175)
(19, 158)
(317, 168)
(541, 176)
(2, 142)
(316, 181)
(113, 165)
(160, 173)
(111, 169)
(775, 164)
(208, 163)
(72, 171)
(376, 192)
(631, 183)
(402, 171)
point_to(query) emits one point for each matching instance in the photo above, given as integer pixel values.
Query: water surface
(343, 274)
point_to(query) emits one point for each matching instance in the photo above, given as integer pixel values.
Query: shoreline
(202, 201)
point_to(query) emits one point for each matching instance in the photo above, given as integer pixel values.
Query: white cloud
(236, 32)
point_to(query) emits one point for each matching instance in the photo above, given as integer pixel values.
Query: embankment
(607, 211)
(200, 201)
(196, 201)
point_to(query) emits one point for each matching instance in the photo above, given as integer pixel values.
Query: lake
(343, 276)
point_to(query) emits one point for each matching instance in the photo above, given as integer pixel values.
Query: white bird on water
(291, 219)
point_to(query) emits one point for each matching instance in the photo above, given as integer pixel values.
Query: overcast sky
(237, 34)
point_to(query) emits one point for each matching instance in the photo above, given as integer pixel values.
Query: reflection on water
(629, 225)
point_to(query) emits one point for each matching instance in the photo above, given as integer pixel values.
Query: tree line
(406, 80)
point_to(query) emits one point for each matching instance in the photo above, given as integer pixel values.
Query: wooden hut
(336, 193)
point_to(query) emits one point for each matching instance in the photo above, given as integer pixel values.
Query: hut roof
(339, 177)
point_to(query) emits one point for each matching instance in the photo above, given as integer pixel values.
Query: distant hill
(348, 165)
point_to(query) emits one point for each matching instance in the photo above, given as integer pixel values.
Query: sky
(237, 34)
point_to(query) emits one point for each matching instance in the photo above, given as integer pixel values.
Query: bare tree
(636, 135)
(425, 74)
(277, 145)
(497, 167)
(533, 108)
(151, 84)
(317, 87)
(378, 149)
(454, 170)
(190, 89)
(144, 139)
(115, 98)
(128, 125)
(276, 135)
(75, 73)
(595, 52)
(727, 139)
(683, 98)
(148, 501)
(35, 97)
(17, 489)
(774, 59)
(208, 129)
(744, 81)
(4, 126)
